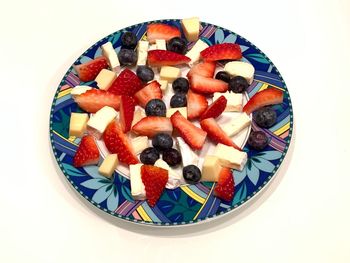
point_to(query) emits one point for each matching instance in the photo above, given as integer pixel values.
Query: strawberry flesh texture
(127, 83)
(93, 100)
(159, 58)
(196, 105)
(161, 31)
(225, 187)
(206, 85)
(87, 152)
(88, 71)
(263, 98)
(204, 69)
(215, 109)
(151, 125)
(151, 91)
(222, 52)
(127, 108)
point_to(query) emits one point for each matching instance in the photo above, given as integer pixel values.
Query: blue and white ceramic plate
(187, 204)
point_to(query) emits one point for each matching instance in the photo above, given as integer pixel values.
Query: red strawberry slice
(221, 52)
(205, 69)
(193, 136)
(215, 109)
(151, 125)
(154, 178)
(225, 187)
(161, 31)
(206, 85)
(117, 142)
(95, 99)
(151, 91)
(88, 71)
(263, 98)
(127, 83)
(87, 152)
(127, 108)
(196, 105)
(159, 58)
(216, 133)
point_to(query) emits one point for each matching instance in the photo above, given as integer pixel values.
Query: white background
(304, 214)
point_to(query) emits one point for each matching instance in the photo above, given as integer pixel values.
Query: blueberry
(172, 157)
(238, 84)
(155, 107)
(162, 141)
(181, 85)
(191, 174)
(178, 100)
(265, 117)
(178, 45)
(149, 155)
(223, 75)
(145, 73)
(129, 40)
(258, 140)
(127, 57)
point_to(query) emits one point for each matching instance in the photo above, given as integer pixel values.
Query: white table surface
(303, 216)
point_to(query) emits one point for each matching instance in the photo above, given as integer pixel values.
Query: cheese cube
(138, 191)
(139, 144)
(77, 124)
(190, 27)
(236, 125)
(108, 165)
(169, 73)
(174, 179)
(194, 53)
(138, 115)
(234, 100)
(99, 121)
(112, 57)
(163, 85)
(152, 47)
(77, 90)
(171, 111)
(240, 68)
(142, 52)
(105, 78)
(211, 169)
(161, 44)
(230, 157)
(188, 155)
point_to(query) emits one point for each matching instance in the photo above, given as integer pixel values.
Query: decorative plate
(187, 204)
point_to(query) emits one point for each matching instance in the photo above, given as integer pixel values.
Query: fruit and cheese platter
(171, 122)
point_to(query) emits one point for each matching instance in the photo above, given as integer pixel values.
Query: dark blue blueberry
(172, 157)
(257, 140)
(223, 75)
(149, 155)
(129, 40)
(181, 85)
(178, 100)
(145, 73)
(127, 57)
(162, 141)
(191, 174)
(238, 84)
(265, 117)
(155, 107)
(178, 45)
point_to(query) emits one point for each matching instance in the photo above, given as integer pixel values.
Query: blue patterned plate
(187, 204)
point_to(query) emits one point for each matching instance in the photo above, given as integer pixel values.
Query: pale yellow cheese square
(211, 169)
(105, 78)
(169, 73)
(139, 144)
(77, 124)
(163, 84)
(171, 111)
(190, 28)
(230, 157)
(234, 100)
(108, 165)
(138, 115)
(161, 44)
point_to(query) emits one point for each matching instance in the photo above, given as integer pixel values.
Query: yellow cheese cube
(105, 78)
(161, 44)
(171, 111)
(108, 165)
(190, 28)
(169, 73)
(163, 85)
(109, 52)
(138, 115)
(139, 144)
(234, 100)
(211, 169)
(77, 124)
(99, 121)
(230, 157)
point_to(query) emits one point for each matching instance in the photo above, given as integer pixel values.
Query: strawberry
(117, 142)
(87, 152)
(88, 71)
(206, 85)
(151, 91)
(215, 109)
(95, 99)
(158, 58)
(265, 97)
(154, 178)
(221, 52)
(196, 105)
(216, 133)
(151, 125)
(205, 69)
(127, 108)
(193, 136)
(161, 31)
(225, 187)
(127, 83)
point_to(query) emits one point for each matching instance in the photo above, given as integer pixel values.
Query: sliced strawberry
(154, 178)
(206, 85)
(225, 187)
(151, 91)
(221, 52)
(196, 105)
(117, 142)
(193, 136)
(215, 109)
(88, 71)
(159, 58)
(216, 133)
(161, 31)
(127, 108)
(94, 99)
(151, 125)
(265, 97)
(87, 152)
(127, 83)
(205, 69)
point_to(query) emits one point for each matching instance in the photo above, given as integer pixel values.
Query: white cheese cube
(161, 44)
(142, 52)
(112, 57)
(105, 78)
(187, 154)
(211, 169)
(139, 144)
(171, 111)
(190, 28)
(194, 53)
(174, 179)
(99, 121)
(234, 100)
(77, 124)
(230, 157)
(138, 115)
(77, 90)
(138, 191)
(163, 85)
(236, 125)
(152, 47)
(240, 68)
(108, 165)
(169, 73)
